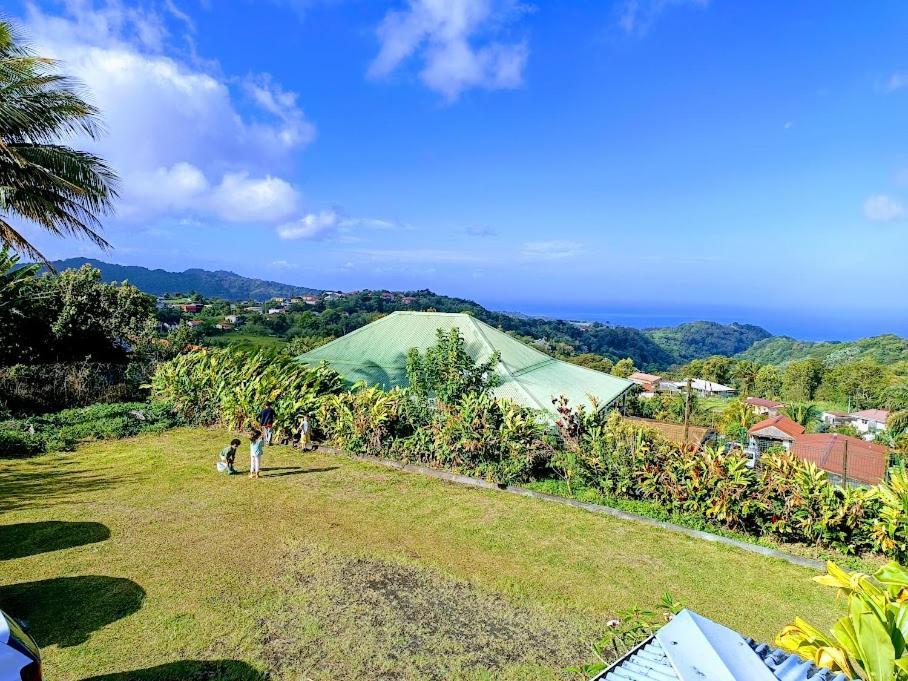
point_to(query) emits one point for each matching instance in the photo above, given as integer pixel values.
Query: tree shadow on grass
(64, 611)
(266, 472)
(28, 539)
(49, 483)
(189, 670)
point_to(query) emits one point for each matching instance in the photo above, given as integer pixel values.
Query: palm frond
(61, 189)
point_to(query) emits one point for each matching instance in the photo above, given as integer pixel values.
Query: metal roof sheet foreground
(693, 648)
(377, 354)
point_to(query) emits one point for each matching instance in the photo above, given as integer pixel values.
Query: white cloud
(882, 208)
(240, 198)
(424, 256)
(176, 134)
(329, 223)
(283, 265)
(637, 16)
(451, 37)
(537, 251)
(896, 81)
(310, 226)
(480, 231)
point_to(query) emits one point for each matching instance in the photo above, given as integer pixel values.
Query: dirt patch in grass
(389, 620)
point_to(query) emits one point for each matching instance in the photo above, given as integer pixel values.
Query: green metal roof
(377, 354)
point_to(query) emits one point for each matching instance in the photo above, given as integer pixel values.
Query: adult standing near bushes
(266, 421)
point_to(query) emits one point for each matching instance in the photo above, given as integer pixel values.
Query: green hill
(218, 284)
(696, 340)
(886, 349)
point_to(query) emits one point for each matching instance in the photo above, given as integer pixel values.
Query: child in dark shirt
(228, 456)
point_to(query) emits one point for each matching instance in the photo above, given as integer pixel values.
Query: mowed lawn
(134, 559)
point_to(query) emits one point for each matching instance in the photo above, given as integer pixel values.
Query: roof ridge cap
(504, 367)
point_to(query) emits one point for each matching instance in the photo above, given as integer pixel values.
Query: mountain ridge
(209, 283)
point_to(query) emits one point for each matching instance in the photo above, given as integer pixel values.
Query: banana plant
(869, 641)
(891, 527)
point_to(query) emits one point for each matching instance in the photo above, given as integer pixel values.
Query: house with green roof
(377, 355)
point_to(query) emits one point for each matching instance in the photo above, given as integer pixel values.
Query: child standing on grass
(256, 447)
(305, 434)
(228, 455)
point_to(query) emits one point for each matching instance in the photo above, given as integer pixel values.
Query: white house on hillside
(868, 422)
(700, 386)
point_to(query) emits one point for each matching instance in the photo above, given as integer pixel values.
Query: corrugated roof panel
(377, 354)
(699, 649)
(648, 663)
(693, 648)
(791, 667)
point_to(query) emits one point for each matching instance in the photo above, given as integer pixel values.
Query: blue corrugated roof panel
(694, 648)
(648, 663)
(790, 667)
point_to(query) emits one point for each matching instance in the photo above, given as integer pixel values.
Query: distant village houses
(776, 431)
(699, 386)
(649, 383)
(841, 456)
(191, 308)
(868, 422)
(763, 407)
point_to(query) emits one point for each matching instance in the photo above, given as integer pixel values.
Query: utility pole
(845, 465)
(687, 412)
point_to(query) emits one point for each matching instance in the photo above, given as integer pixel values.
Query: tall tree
(42, 180)
(768, 382)
(801, 379)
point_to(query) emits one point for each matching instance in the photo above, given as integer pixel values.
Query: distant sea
(812, 325)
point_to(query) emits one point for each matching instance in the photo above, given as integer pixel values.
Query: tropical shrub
(869, 641)
(625, 632)
(363, 421)
(42, 388)
(229, 387)
(890, 527)
(63, 430)
(15, 443)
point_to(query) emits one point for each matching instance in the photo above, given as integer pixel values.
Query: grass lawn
(245, 341)
(133, 559)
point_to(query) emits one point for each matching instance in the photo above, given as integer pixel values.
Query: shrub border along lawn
(459, 479)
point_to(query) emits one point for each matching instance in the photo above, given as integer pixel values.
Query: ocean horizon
(814, 325)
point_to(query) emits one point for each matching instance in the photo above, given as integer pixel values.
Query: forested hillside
(613, 342)
(885, 349)
(696, 340)
(218, 284)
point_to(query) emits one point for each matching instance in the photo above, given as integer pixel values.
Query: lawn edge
(590, 507)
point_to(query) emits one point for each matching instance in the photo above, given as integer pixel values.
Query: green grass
(245, 341)
(134, 559)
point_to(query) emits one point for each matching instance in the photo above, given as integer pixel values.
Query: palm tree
(897, 424)
(805, 414)
(14, 280)
(43, 181)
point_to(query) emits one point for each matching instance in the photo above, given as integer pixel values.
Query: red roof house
(649, 382)
(867, 462)
(774, 431)
(762, 406)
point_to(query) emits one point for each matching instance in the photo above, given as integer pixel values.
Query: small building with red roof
(763, 407)
(869, 421)
(776, 431)
(649, 383)
(844, 456)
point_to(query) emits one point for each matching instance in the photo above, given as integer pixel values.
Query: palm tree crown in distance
(43, 181)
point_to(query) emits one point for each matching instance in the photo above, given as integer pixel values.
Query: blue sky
(740, 160)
